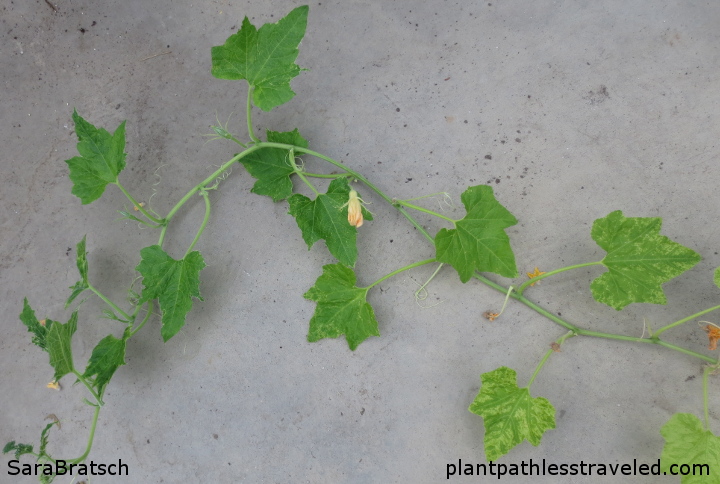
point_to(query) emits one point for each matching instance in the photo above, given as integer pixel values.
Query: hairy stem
(93, 426)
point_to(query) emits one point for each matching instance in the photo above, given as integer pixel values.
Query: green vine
(638, 259)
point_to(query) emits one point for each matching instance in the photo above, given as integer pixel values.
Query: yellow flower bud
(355, 216)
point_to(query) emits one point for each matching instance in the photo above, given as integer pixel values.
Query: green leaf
(19, 449)
(271, 166)
(59, 345)
(687, 442)
(510, 414)
(173, 282)
(265, 58)
(33, 325)
(82, 266)
(44, 437)
(479, 242)
(326, 218)
(107, 356)
(639, 260)
(100, 162)
(341, 307)
(716, 279)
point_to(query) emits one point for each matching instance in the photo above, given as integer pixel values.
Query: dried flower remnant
(490, 316)
(54, 385)
(713, 336)
(537, 272)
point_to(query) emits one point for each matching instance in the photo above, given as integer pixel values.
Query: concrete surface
(568, 109)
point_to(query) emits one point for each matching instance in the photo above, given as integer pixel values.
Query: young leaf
(271, 166)
(33, 325)
(44, 437)
(687, 442)
(59, 345)
(82, 266)
(107, 356)
(510, 414)
(173, 282)
(479, 242)
(19, 449)
(639, 260)
(326, 218)
(265, 58)
(100, 162)
(341, 307)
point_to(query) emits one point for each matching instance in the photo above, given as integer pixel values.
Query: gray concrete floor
(570, 110)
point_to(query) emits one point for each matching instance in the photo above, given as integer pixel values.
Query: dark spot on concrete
(397, 109)
(497, 180)
(517, 140)
(488, 157)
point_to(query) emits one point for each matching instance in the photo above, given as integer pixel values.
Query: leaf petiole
(109, 302)
(535, 279)
(398, 271)
(560, 341)
(425, 210)
(205, 196)
(299, 172)
(139, 206)
(685, 320)
(251, 132)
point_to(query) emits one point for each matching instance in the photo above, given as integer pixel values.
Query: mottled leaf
(639, 260)
(341, 308)
(687, 443)
(510, 414)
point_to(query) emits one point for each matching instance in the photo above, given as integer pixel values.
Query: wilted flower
(355, 216)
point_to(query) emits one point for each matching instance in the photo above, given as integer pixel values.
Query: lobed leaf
(326, 218)
(510, 414)
(479, 242)
(265, 58)
(271, 166)
(173, 282)
(639, 260)
(100, 162)
(341, 308)
(687, 442)
(82, 265)
(33, 325)
(19, 449)
(107, 356)
(59, 345)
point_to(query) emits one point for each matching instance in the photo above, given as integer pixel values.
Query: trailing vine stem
(515, 294)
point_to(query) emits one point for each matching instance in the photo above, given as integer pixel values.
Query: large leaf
(265, 58)
(326, 218)
(639, 260)
(59, 345)
(173, 282)
(342, 307)
(107, 356)
(510, 414)
(82, 266)
(100, 162)
(687, 443)
(479, 242)
(271, 166)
